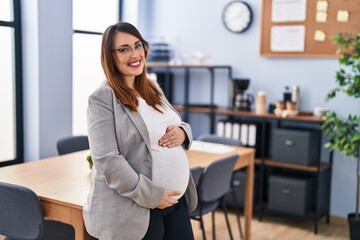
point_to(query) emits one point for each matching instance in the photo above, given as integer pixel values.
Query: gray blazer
(122, 193)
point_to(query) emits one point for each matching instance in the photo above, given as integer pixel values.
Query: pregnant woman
(141, 186)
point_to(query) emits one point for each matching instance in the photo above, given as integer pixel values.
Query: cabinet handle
(236, 183)
(286, 191)
(289, 142)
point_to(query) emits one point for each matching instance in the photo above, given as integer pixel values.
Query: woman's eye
(137, 46)
(124, 50)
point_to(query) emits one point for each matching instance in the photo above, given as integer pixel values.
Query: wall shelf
(313, 168)
(303, 116)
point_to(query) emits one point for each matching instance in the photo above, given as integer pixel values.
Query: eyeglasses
(127, 51)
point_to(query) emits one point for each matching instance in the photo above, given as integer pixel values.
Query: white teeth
(134, 63)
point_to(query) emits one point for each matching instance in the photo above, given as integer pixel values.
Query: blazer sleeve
(119, 175)
(187, 129)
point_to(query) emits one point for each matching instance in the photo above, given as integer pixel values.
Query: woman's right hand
(167, 200)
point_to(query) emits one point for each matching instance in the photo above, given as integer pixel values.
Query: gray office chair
(214, 183)
(21, 217)
(72, 144)
(196, 174)
(234, 184)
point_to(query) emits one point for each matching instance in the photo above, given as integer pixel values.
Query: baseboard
(340, 221)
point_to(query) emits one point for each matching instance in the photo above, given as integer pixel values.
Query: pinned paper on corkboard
(321, 6)
(321, 17)
(342, 16)
(319, 36)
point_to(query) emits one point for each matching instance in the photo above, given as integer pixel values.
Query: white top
(170, 168)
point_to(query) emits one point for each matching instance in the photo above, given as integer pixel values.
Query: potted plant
(344, 133)
(89, 159)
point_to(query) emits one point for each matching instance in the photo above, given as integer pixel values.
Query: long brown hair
(145, 87)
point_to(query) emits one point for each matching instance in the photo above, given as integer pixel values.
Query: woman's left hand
(173, 137)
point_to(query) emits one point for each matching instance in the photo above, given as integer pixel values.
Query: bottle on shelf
(260, 107)
(295, 96)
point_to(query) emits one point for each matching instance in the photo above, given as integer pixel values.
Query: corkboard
(331, 27)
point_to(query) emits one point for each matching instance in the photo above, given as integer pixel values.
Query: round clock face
(237, 16)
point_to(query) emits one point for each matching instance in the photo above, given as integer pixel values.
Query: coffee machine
(242, 101)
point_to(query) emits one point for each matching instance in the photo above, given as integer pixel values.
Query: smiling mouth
(134, 64)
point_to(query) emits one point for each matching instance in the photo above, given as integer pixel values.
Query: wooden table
(63, 182)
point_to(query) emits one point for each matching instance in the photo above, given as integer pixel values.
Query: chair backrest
(215, 180)
(72, 144)
(55, 230)
(216, 139)
(21, 214)
(21, 217)
(196, 174)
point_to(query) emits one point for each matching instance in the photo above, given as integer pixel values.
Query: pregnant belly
(171, 169)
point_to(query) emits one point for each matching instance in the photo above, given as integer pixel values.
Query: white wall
(30, 48)
(47, 47)
(130, 11)
(197, 26)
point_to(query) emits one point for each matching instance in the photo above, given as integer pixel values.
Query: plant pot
(354, 227)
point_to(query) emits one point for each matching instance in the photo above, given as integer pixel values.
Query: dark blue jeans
(172, 223)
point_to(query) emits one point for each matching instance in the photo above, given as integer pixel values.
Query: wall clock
(237, 16)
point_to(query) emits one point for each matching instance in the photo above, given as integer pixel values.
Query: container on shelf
(260, 107)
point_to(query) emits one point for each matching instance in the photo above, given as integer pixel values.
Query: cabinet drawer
(299, 147)
(239, 184)
(290, 195)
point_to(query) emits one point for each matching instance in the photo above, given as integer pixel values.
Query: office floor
(276, 228)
